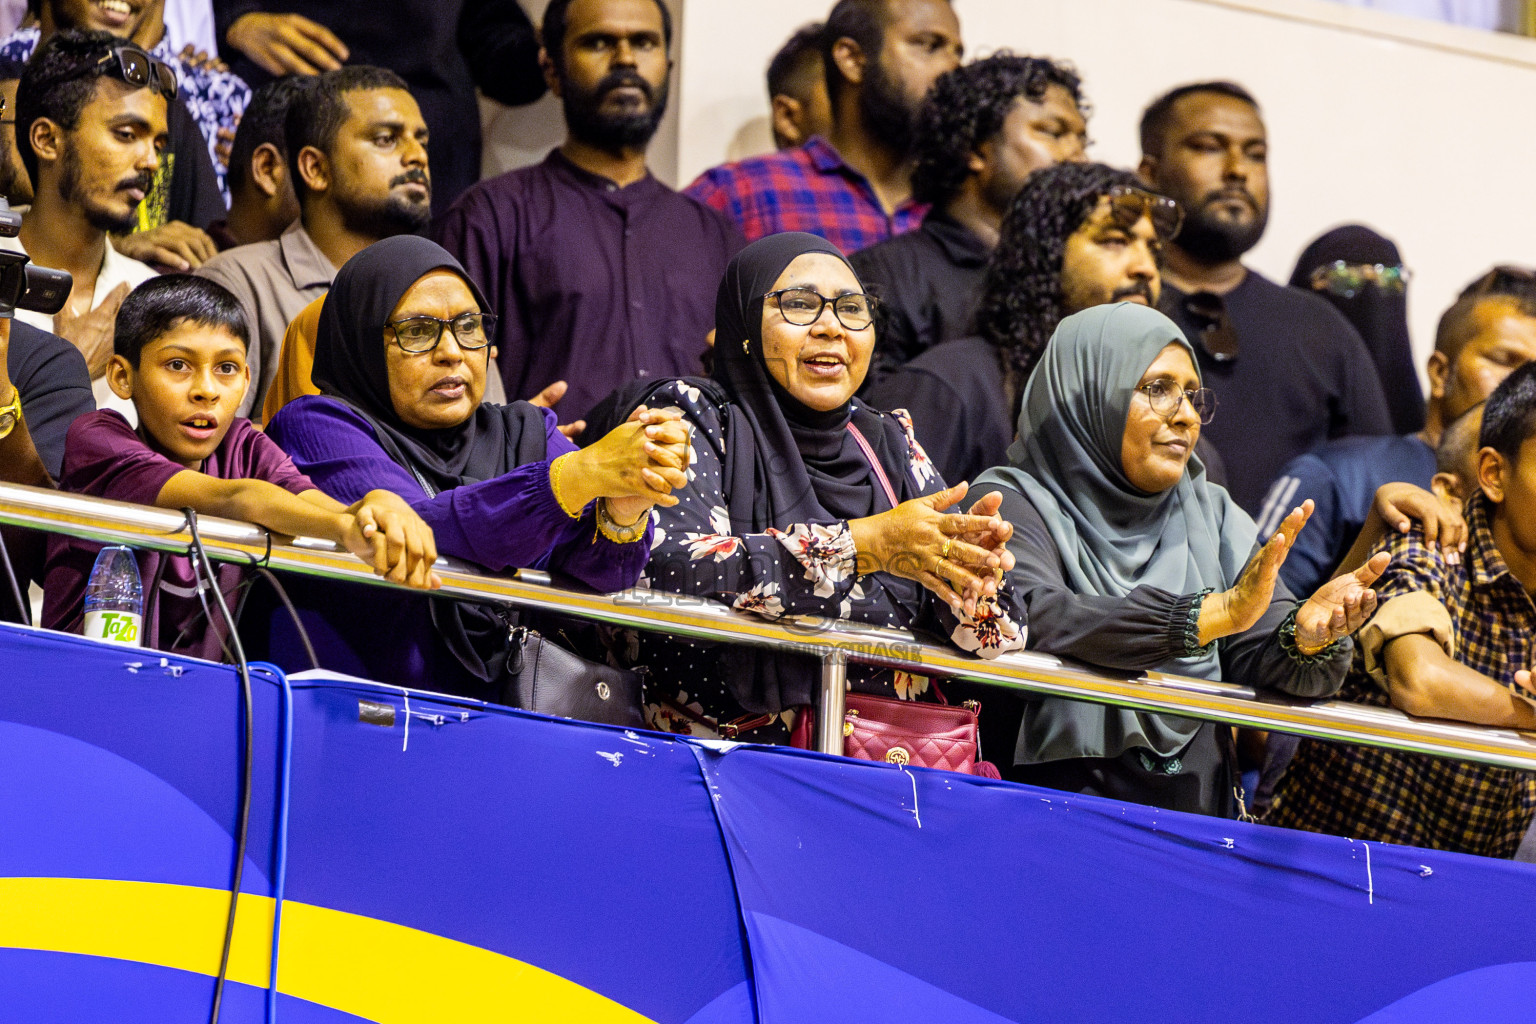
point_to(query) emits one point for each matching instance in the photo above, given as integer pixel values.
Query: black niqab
(1380, 317)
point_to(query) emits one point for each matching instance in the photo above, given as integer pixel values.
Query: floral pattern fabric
(802, 569)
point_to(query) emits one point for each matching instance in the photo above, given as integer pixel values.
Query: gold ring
(944, 551)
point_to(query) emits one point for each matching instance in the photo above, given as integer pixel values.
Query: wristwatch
(10, 413)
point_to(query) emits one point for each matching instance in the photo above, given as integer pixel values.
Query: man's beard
(887, 113)
(100, 219)
(586, 121)
(1210, 239)
(393, 215)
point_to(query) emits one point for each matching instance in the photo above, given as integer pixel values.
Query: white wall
(1423, 131)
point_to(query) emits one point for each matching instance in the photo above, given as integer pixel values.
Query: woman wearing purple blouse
(400, 359)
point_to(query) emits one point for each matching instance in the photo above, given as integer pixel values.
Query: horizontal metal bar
(116, 522)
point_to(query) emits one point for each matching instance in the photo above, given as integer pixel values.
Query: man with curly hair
(854, 187)
(983, 129)
(1076, 235)
(1290, 370)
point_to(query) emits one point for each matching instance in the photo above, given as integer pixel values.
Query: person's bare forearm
(1371, 533)
(1423, 680)
(253, 501)
(19, 461)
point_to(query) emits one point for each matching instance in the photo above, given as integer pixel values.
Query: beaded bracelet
(554, 485)
(1289, 644)
(613, 531)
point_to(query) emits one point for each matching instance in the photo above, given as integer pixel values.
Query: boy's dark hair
(1509, 415)
(552, 30)
(263, 124)
(58, 82)
(966, 107)
(1021, 298)
(1154, 120)
(161, 303)
(800, 55)
(317, 112)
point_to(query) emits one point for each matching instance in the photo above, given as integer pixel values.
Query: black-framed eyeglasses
(1207, 311)
(1165, 397)
(134, 66)
(416, 334)
(1128, 204)
(802, 307)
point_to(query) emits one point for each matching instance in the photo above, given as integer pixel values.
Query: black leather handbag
(542, 676)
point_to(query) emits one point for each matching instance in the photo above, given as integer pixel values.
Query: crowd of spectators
(926, 365)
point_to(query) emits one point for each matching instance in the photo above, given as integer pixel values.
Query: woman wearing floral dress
(801, 500)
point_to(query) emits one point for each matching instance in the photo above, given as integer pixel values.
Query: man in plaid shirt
(855, 188)
(1451, 640)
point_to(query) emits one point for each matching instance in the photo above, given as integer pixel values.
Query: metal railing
(834, 642)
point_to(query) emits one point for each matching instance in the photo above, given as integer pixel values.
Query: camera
(24, 284)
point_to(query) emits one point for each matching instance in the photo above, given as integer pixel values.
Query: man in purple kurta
(598, 272)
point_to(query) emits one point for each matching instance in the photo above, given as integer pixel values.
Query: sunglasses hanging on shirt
(1214, 332)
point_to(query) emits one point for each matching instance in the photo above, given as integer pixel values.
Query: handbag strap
(874, 463)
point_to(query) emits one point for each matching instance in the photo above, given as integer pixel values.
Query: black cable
(23, 607)
(293, 613)
(242, 829)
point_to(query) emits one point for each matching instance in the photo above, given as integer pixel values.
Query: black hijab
(350, 368)
(788, 463)
(1380, 317)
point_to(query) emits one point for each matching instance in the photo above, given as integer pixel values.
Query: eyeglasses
(423, 333)
(1349, 279)
(1165, 397)
(802, 307)
(1213, 328)
(1128, 204)
(133, 66)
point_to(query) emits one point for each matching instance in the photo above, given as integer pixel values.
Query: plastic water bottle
(114, 598)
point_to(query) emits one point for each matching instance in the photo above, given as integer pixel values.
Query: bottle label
(118, 627)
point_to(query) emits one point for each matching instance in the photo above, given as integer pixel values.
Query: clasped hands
(634, 466)
(1338, 608)
(960, 557)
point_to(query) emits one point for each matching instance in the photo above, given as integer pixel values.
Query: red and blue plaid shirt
(810, 188)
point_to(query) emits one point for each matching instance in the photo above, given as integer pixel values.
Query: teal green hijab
(1114, 537)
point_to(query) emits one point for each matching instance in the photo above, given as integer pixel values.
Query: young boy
(1449, 640)
(180, 358)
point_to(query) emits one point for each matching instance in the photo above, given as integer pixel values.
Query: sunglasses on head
(132, 65)
(1347, 279)
(1128, 204)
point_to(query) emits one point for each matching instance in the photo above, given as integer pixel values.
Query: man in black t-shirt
(1290, 372)
(48, 375)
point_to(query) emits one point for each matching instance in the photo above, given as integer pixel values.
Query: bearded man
(854, 187)
(1289, 370)
(598, 273)
(357, 156)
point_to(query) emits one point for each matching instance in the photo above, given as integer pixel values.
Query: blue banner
(452, 861)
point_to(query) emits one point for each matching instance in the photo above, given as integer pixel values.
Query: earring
(746, 346)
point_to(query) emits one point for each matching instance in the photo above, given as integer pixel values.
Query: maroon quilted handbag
(906, 732)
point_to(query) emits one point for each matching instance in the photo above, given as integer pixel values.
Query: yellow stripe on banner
(374, 969)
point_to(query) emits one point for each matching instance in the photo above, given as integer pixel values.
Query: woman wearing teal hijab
(1128, 558)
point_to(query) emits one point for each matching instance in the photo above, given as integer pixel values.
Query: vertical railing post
(831, 702)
